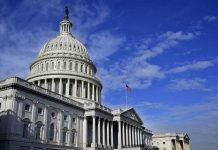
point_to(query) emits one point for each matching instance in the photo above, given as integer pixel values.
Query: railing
(26, 84)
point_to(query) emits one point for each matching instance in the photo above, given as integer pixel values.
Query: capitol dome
(64, 66)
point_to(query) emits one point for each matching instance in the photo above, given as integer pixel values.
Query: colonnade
(129, 135)
(72, 88)
(103, 135)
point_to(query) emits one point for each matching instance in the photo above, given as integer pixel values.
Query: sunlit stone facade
(58, 106)
(171, 141)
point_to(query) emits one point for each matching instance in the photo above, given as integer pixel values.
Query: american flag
(128, 87)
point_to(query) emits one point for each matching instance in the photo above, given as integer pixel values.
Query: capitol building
(58, 106)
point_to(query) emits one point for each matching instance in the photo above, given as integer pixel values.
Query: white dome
(64, 43)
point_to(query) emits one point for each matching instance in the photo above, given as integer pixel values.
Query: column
(84, 132)
(99, 131)
(46, 84)
(39, 82)
(20, 115)
(127, 136)
(93, 132)
(75, 88)
(88, 90)
(61, 86)
(124, 143)
(93, 92)
(135, 136)
(45, 123)
(108, 144)
(60, 140)
(138, 137)
(130, 137)
(119, 135)
(20, 109)
(77, 129)
(97, 94)
(33, 119)
(52, 85)
(68, 87)
(69, 128)
(83, 90)
(133, 139)
(103, 129)
(112, 135)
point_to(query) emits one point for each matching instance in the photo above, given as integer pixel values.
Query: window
(71, 66)
(73, 137)
(52, 65)
(56, 86)
(81, 68)
(49, 85)
(40, 111)
(65, 135)
(46, 66)
(65, 64)
(26, 124)
(65, 117)
(76, 66)
(42, 67)
(74, 120)
(27, 107)
(64, 88)
(53, 114)
(86, 70)
(51, 132)
(70, 89)
(38, 130)
(59, 64)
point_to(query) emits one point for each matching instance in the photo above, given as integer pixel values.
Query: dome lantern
(66, 25)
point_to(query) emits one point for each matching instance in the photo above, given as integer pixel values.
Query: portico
(104, 131)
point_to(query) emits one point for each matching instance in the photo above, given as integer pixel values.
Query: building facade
(171, 141)
(58, 106)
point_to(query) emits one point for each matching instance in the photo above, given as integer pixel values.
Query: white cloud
(86, 19)
(188, 84)
(148, 105)
(210, 18)
(197, 65)
(103, 44)
(135, 69)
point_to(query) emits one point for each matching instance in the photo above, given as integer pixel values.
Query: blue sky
(167, 51)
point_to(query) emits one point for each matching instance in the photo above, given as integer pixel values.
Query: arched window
(81, 68)
(52, 132)
(26, 124)
(46, 66)
(38, 130)
(59, 65)
(71, 66)
(73, 136)
(52, 65)
(42, 67)
(76, 66)
(65, 135)
(86, 70)
(65, 65)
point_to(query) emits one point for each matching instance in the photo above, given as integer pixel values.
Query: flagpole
(126, 96)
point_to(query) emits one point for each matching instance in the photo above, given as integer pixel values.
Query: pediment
(131, 113)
